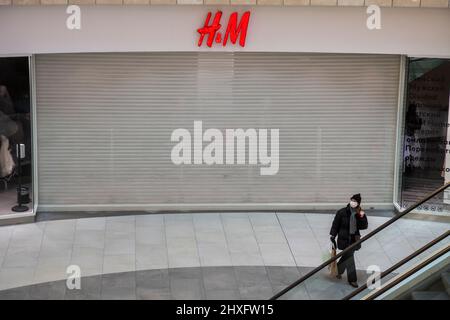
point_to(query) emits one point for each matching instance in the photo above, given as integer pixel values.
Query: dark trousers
(347, 262)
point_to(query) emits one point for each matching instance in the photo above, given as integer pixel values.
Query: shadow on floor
(197, 283)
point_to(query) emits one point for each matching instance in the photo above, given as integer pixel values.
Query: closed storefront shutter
(105, 121)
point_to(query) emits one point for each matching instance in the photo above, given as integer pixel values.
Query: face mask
(353, 204)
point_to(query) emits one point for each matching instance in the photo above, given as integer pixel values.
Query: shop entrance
(105, 122)
(15, 137)
(426, 161)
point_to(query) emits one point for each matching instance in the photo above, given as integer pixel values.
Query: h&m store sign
(233, 29)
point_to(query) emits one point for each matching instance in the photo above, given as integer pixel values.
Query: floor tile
(48, 291)
(5, 236)
(15, 277)
(21, 293)
(187, 289)
(153, 294)
(232, 294)
(90, 289)
(270, 235)
(297, 293)
(56, 249)
(87, 257)
(219, 278)
(151, 257)
(183, 253)
(214, 255)
(53, 269)
(120, 279)
(282, 276)
(20, 259)
(246, 259)
(153, 279)
(256, 292)
(120, 246)
(119, 286)
(210, 237)
(92, 224)
(276, 254)
(119, 263)
(150, 220)
(90, 238)
(252, 276)
(186, 283)
(150, 235)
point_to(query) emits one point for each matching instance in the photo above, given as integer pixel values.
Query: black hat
(357, 197)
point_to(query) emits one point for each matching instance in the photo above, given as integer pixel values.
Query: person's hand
(333, 241)
(361, 213)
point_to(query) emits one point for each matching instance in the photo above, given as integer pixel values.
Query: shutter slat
(104, 124)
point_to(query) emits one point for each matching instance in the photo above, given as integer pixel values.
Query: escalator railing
(372, 295)
(384, 247)
(418, 253)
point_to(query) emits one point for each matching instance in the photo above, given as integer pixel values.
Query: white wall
(41, 29)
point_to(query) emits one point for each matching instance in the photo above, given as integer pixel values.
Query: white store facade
(105, 100)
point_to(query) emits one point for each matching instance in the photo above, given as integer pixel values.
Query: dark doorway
(15, 130)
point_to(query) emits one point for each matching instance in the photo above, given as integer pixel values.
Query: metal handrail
(401, 263)
(363, 239)
(407, 274)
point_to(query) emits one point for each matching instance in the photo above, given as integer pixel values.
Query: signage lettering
(235, 29)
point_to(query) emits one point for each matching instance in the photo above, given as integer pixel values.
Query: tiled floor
(198, 283)
(40, 252)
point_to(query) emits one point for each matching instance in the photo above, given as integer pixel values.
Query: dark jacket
(341, 227)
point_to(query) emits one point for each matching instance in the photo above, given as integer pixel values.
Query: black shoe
(339, 276)
(353, 284)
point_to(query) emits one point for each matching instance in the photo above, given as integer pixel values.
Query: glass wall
(15, 136)
(426, 134)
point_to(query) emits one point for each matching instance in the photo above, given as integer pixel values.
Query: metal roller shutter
(105, 121)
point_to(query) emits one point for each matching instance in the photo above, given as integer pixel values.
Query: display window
(15, 136)
(426, 135)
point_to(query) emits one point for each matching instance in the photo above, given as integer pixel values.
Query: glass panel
(380, 252)
(407, 265)
(426, 283)
(15, 133)
(426, 161)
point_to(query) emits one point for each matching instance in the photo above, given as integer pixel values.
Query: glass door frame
(401, 119)
(401, 114)
(34, 148)
(25, 216)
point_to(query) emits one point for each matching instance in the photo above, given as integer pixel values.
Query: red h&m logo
(233, 31)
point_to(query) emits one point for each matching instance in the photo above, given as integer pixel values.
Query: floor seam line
(260, 252)
(39, 255)
(198, 253)
(285, 237)
(229, 252)
(167, 254)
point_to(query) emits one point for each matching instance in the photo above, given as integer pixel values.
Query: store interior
(426, 132)
(15, 136)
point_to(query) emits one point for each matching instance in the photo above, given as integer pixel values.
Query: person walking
(346, 225)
